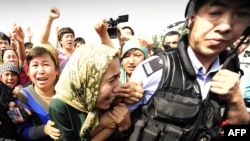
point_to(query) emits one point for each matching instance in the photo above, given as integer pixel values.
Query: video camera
(112, 30)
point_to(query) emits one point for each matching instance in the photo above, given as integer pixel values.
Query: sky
(146, 17)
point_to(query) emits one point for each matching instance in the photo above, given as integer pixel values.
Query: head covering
(52, 50)
(9, 66)
(132, 44)
(79, 82)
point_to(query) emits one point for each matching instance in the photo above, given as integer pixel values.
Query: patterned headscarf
(80, 80)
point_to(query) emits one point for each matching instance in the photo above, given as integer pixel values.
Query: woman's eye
(216, 13)
(34, 65)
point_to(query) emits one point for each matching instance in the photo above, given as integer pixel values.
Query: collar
(198, 67)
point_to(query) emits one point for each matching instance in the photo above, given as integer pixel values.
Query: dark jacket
(7, 127)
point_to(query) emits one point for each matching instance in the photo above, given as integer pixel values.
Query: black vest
(176, 111)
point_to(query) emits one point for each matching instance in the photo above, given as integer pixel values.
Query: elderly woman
(43, 71)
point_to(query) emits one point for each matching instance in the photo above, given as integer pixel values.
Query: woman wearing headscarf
(9, 74)
(43, 71)
(130, 92)
(134, 51)
(81, 107)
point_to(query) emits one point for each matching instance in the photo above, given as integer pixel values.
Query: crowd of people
(75, 90)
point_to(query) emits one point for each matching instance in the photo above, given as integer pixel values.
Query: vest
(176, 111)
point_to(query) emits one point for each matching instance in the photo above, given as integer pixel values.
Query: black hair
(3, 52)
(28, 45)
(170, 33)
(79, 40)
(3, 36)
(39, 50)
(130, 28)
(63, 31)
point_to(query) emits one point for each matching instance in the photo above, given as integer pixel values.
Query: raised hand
(101, 28)
(29, 32)
(18, 33)
(54, 13)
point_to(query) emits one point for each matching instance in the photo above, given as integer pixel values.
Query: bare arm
(19, 36)
(29, 34)
(101, 29)
(54, 13)
(57, 42)
(105, 128)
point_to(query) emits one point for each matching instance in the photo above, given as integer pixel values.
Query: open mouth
(111, 98)
(42, 79)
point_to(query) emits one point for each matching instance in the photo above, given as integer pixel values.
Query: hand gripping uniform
(176, 111)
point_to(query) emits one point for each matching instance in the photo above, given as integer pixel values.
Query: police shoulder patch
(152, 66)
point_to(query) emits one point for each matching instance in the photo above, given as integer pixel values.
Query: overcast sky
(147, 17)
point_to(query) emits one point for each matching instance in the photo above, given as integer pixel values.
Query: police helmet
(195, 5)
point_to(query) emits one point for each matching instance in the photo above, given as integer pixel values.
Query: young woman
(84, 93)
(10, 55)
(134, 51)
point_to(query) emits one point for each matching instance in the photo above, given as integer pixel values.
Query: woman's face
(131, 59)
(10, 56)
(109, 81)
(9, 78)
(42, 72)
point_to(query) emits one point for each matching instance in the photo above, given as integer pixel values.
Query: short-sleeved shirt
(151, 83)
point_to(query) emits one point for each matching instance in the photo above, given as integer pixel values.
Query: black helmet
(195, 5)
(189, 8)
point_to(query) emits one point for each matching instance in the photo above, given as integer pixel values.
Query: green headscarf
(80, 80)
(131, 44)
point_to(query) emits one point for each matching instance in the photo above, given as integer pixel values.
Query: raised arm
(29, 34)
(101, 29)
(54, 14)
(19, 36)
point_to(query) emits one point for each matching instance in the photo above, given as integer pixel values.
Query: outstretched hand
(18, 33)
